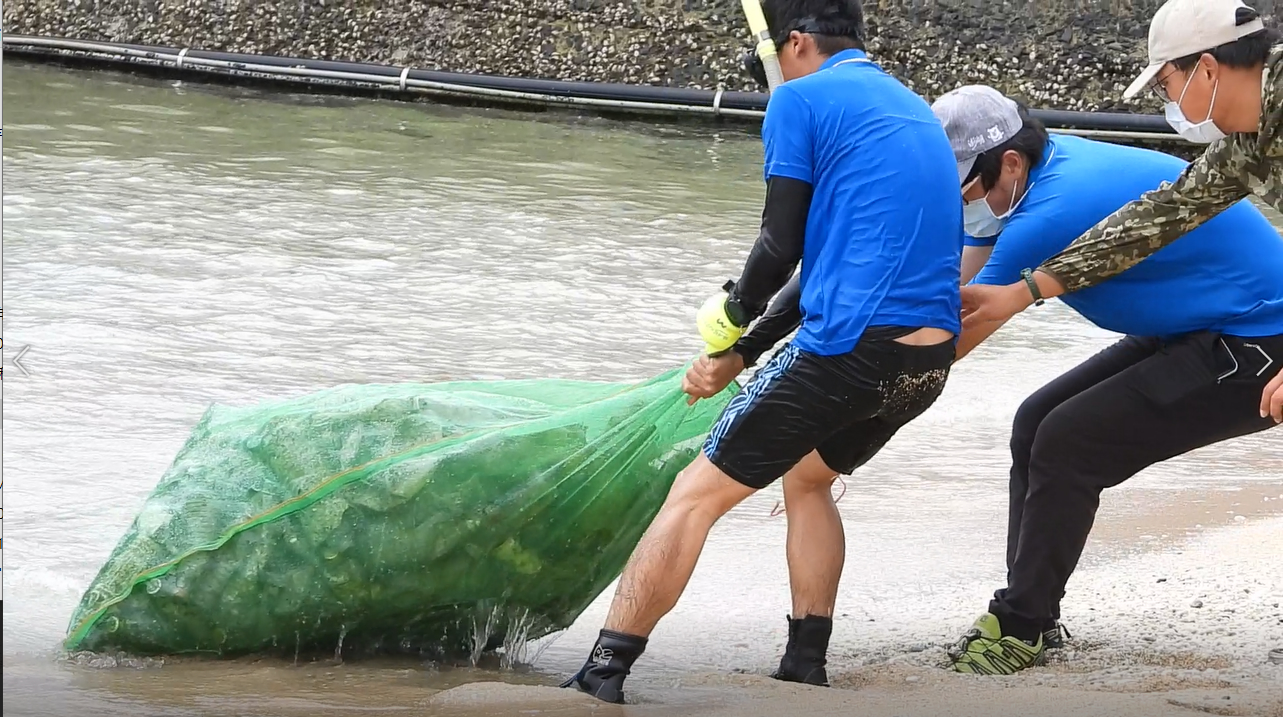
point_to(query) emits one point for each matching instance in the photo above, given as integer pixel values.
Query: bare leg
(662, 563)
(816, 542)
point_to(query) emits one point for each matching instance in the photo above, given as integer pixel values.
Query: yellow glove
(715, 326)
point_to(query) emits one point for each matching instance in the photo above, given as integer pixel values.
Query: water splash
(110, 661)
(338, 651)
(514, 626)
(515, 641)
(481, 632)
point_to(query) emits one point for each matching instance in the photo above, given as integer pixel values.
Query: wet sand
(758, 696)
(1150, 519)
(1179, 631)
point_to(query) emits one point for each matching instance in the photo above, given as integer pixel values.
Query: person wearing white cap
(1202, 321)
(1219, 70)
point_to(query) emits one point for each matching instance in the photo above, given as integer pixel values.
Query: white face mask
(978, 218)
(1204, 132)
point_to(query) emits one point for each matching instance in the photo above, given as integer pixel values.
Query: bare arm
(973, 336)
(973, 260)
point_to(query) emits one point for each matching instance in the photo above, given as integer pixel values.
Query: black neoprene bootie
(602, 676)
(806, 654)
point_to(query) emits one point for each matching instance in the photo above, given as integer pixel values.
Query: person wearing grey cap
(987, 120)
(1202, 319)
(1219, 71)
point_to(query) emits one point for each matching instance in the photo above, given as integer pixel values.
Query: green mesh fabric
(425, 518)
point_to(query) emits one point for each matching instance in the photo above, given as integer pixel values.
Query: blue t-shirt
(1225, 276)
(884, 235)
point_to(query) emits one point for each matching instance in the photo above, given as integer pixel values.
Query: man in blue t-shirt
(1203, 319)
(859, 191)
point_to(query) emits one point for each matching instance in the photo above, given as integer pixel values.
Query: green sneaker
(985, 651)
(1053, 638)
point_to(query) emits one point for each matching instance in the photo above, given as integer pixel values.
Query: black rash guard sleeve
(777, 251)
(780, 320)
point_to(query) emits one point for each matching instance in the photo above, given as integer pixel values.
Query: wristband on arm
(1028, 276)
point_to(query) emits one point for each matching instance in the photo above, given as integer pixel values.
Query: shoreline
(621, 101)
(1054, 54)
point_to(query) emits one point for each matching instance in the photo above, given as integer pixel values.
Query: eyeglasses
(1159, 86)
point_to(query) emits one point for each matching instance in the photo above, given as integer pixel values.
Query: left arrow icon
(17, 360)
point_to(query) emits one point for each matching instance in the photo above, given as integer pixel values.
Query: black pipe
(1120, 121)
(555, 88)
(1053, 119)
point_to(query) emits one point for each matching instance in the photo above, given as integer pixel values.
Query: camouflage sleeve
(1209, 185)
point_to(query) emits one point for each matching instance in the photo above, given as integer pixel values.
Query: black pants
(1138, 402)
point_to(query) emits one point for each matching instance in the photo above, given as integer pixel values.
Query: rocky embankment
(1054, 54)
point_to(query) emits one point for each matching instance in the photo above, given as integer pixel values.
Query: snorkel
(769, 61)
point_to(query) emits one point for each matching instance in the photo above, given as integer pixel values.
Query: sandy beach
(1180, 631)
(1173, 633)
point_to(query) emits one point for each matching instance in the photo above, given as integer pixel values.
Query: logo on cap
(994, 135)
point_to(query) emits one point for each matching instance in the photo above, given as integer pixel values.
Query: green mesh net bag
(423, 518)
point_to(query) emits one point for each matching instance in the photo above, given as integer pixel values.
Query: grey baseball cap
(976, 118)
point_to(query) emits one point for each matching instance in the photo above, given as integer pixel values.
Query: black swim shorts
(846, 407)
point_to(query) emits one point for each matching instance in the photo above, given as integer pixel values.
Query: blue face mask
(978, 218)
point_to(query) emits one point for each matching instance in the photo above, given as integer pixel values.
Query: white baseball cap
(976, 118)
(1185, 27)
